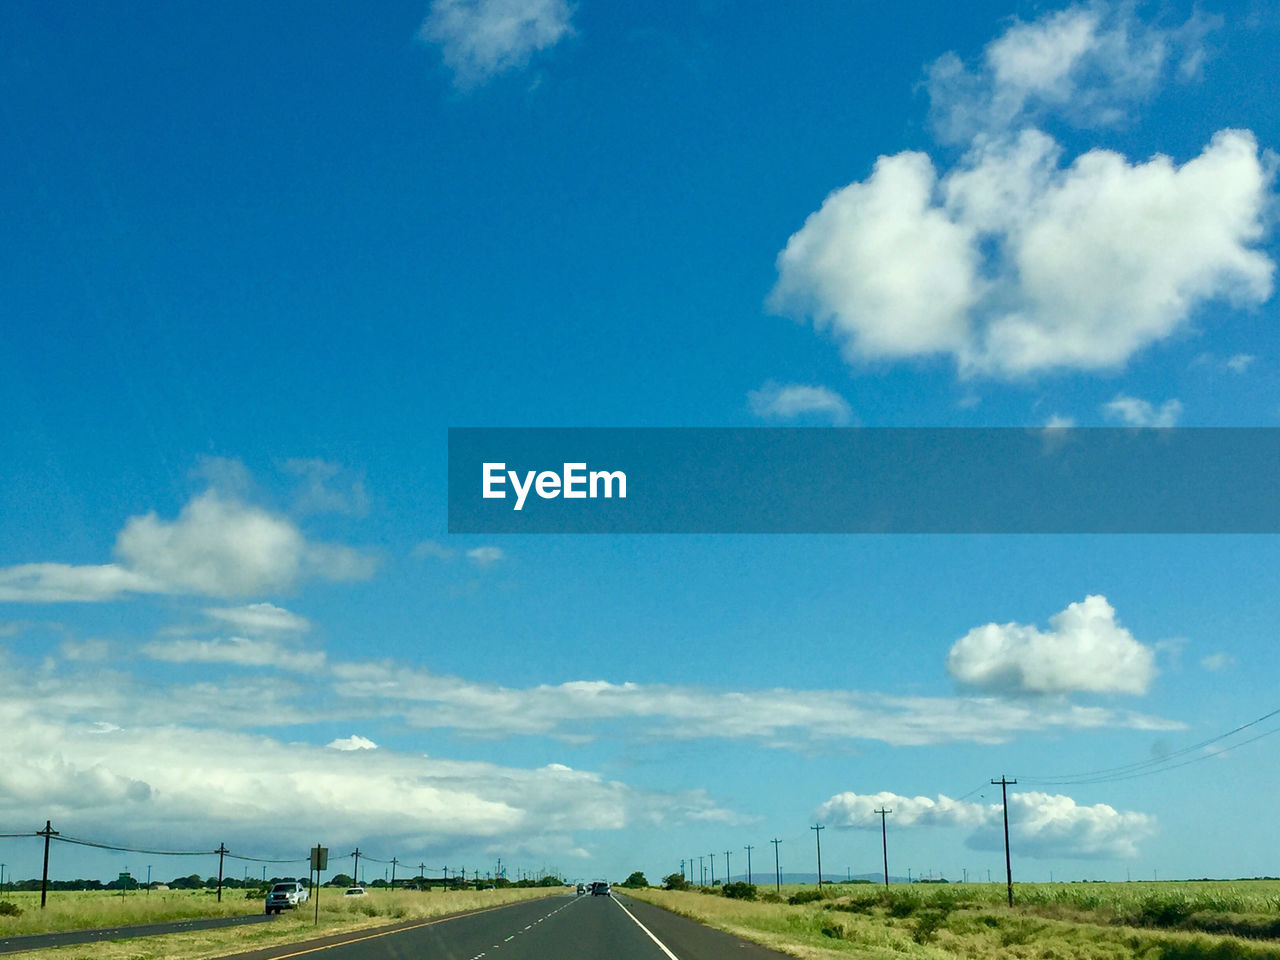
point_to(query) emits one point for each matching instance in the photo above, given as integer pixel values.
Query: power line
(1143, 768)
(111, 846)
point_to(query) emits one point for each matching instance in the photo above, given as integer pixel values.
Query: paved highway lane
(556, 928)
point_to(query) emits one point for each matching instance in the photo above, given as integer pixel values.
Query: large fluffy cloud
(162, 780)
(1016, 261)
(217, 546)
(1085, 649)
(1013, 264)
(222, 547)
(884, 266)
(481, 38)
(1041, 825)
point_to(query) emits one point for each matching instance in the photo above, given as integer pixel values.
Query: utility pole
(355, 871)
(422, 872)
(777, 870)
(681, 869)
(394, 861)
(713, 869)
(1008, 864)
(818, 836)
(47, 832)
(446, 878)
(702, 872)
(748, 848)
(728, 874)
(246, 876)
(884, 843)
(221, 852)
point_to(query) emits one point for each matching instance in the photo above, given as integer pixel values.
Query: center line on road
(661, 946)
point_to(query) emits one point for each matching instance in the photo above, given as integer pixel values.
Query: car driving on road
(286, 896)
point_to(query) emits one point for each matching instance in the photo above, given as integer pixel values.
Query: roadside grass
(338, 914)
(1092, 921)
(84, 909)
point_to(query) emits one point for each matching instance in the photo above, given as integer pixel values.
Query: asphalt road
(555, 928)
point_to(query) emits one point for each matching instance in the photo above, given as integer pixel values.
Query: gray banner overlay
(853, 480)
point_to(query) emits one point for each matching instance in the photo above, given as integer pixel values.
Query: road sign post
(319, 861)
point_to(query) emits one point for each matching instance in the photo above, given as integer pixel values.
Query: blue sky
(258, 261)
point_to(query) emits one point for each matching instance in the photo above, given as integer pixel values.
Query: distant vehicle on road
(354, 892)
(581, 889)
(600, 888)
(286, 896)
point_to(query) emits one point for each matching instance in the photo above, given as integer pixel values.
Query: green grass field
(1207, 920)
(74, 911)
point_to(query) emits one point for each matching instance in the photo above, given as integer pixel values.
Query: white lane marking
(661, 946)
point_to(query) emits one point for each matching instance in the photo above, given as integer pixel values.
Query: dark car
(600, 888)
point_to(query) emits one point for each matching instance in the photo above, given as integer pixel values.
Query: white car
(354, 892)
(286, 896)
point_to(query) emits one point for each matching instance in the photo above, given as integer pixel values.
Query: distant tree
(341, 880)
(675, 881)
(739, 890)
(635, 880)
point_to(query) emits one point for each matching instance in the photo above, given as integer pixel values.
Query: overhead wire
(1153, 765)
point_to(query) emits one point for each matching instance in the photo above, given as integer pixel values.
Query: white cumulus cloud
(1084, 650)
(260, 618)
(481, 38)
(1133, 412)
(217, 546)
(1018, 260)
(222, 547)
(790, 401)
(1041, 825)
(353, 742)
(1013, 264)
(485, 556)
(172, 783)
(1087, 64)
